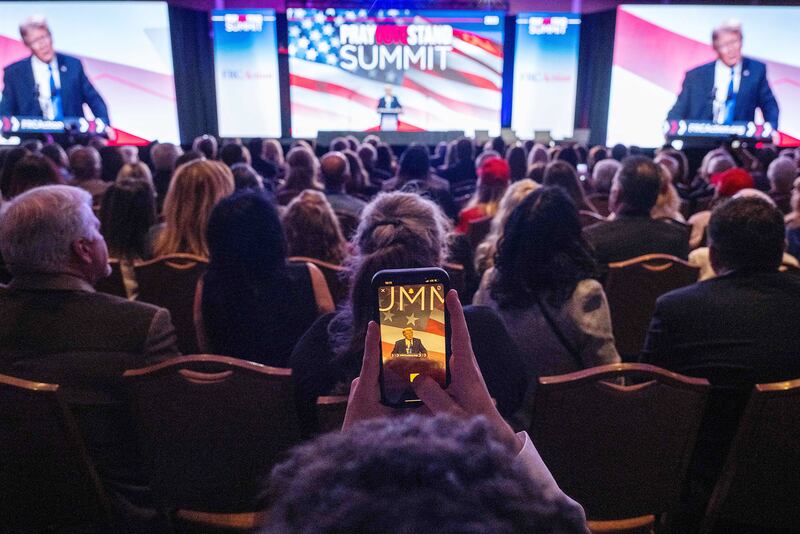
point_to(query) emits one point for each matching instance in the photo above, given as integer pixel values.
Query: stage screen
(126, 53)
(656, 45)
(444, 68)
(545, 74)
(246, 70)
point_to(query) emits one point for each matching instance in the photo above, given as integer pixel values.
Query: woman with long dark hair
(252, 304)
(543, 287)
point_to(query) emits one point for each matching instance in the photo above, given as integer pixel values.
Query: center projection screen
(654, 46)
(126, 53)
(445, 69)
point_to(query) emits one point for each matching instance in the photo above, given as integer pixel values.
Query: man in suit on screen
(47, 84)
(728, 89)
(389, 107)
(409, 345)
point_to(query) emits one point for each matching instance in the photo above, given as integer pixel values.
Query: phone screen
(413, 337)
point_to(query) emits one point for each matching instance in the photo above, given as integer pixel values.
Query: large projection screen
(126, 53)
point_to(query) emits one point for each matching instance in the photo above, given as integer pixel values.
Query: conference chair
(477, 230)
(333, 276)
(759, 486)
(632, 287)
(588, 218)
(330, 412)
(170, 282)
(211, 428)
(47, 482)
(618, 439)
(113, 284)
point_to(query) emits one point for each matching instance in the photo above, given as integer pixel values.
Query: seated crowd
(533, 237)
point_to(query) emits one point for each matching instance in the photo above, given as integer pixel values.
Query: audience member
(782, 173)
(164, 157)
(194, 191)
(136, 171)
(58, 156)
(129, 154)
(634, 232)
(538, 154)
(498, 144)
(439, 154)
(385, 160)
(414, 176)
(726, 184)
(335, 169)
(463, 170)
(668, 203)
(86, 166)
(562, 174)
(619, 152)
(186, 157)
(56, 329)
(357, 182)
(127, 213)
(737, 329)
(493, 178)
(12, 156)
(603, 177)
(267, 168)
(514, 195)
(206, 145)
(517, 162)
(233, 153)
(368, 156)
(246, 177)
(302, 175)
(397, 231)
(536, 172)
(312, 229)
(111, 161)
(252, 304)
(596, 154)
(542, 286)
(31, 171)
(569, 155)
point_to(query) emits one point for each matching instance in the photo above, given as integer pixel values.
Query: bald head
(782, 173)
(334, 168)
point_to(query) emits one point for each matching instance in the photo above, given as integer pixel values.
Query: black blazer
(748, 319)
(697, 94)
(20, 95)
(628, 237)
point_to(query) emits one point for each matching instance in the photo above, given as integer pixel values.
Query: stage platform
(324, 137)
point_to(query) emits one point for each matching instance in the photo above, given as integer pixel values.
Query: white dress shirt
(41, 78)
(722, 78)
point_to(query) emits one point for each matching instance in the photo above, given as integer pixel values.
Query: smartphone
(415, 331)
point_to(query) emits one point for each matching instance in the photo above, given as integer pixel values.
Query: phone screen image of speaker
(412, 319)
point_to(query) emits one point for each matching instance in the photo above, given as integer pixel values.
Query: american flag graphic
(466, 95)
(425, 314)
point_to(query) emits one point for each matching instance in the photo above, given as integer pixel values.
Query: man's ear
(82, 251)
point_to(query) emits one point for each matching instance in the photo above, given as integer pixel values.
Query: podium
(20, 125)
(389, 118)
(701, 133)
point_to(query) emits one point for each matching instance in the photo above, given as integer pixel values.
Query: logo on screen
(547, 25)
(251, 22)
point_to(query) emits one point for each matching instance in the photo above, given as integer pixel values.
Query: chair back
(330, 412)
(759, 485)
(113, 284)
(211, 428)
(632, 287)
(348, 222)
(170, 282)
(48, 482)
(588, 218)
(333, 276)
(477, 230)
(458, 279)
(600, 202)
(620, 448)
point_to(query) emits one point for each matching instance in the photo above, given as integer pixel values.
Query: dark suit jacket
(394, 104)
(697, 94)
(56, 329)
(462, 171)
(416, 347)
(628, 237)
(736, 330)
(20, 96)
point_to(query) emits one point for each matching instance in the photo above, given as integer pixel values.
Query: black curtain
(193, 63)
(594, 73)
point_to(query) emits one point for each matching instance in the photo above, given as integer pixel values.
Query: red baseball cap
(494, 171)
(730, 182)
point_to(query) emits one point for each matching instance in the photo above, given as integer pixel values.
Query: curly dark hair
(406, 475)
(542, 252)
